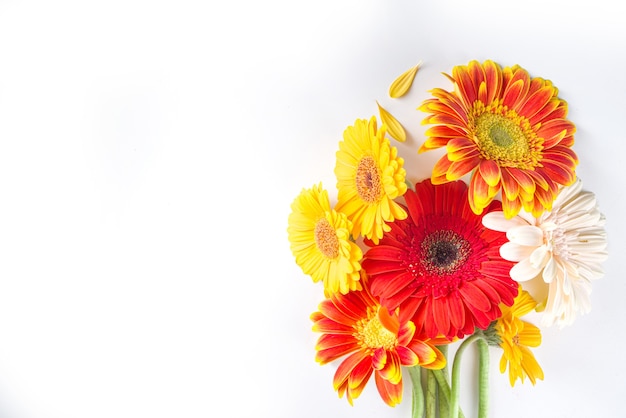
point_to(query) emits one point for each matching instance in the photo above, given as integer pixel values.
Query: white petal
(523, 271)
(549, 271)
(539, 257)
(498, 222)
(526, 235)
(513, 252)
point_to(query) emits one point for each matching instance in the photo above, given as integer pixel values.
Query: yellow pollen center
(372, 334)
(505, 137)
(368, 180)
(326, 238)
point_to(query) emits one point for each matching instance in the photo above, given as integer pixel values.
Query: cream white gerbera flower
(561, 251)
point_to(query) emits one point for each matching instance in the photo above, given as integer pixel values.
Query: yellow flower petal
(394, 128)
(402, 84)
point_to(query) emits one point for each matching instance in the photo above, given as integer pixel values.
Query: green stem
(483, 378)
(444, 400)
(418, 394)
(456, 373)
(444, 393)
(431, 395)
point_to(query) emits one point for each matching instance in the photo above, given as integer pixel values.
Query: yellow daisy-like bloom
(515, 338)
(320, 241)
(370, 175)
(509, 130)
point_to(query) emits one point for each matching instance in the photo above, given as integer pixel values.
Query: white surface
(149, 152)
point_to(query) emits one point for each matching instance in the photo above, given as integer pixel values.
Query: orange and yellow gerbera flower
(320, 241)
(374, 340)
(370, 175)
(515, 338)
(509, 130)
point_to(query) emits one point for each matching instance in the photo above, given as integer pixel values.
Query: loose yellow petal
(402, 84)
(394, 128)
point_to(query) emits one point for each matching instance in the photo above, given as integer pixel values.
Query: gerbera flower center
(504, 136)
(326, 238)
(443, 251)
(368, 180)
(372, 334)
(556, 241)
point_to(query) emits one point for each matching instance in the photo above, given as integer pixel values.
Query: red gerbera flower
(374, 340)
(440, 265)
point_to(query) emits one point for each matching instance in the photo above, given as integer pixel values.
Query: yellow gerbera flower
(320, 241)
(516, 336)
(370, 175)
(509, 130)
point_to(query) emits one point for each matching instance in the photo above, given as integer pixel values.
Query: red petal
(456, 310)
(473, 296)
(440, 315)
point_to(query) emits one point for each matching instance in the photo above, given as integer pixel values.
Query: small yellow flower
(516, 336)
(320, 241)
(370, 175)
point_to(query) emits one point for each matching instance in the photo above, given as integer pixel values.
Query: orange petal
(438, 108)
(554, 131)
(379, 359)
(390, 393)
(324, 356)
(406, 333)
(392, 370)
(558, 173)
(477, 75)
(480, 190)
(524, 180)
(493, 79)
(348, 365)
(537, 102)
(511, 207)
(440, 169)
(510, 186)
(460, 168)
(460, 148)
(465, 84)
(390, 322)
(490, 172)
(445, 132)
(407, 356)
(513, 93)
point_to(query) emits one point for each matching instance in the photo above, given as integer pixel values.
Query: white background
(149, 154)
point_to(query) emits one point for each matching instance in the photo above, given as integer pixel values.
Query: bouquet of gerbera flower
(408, 269)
